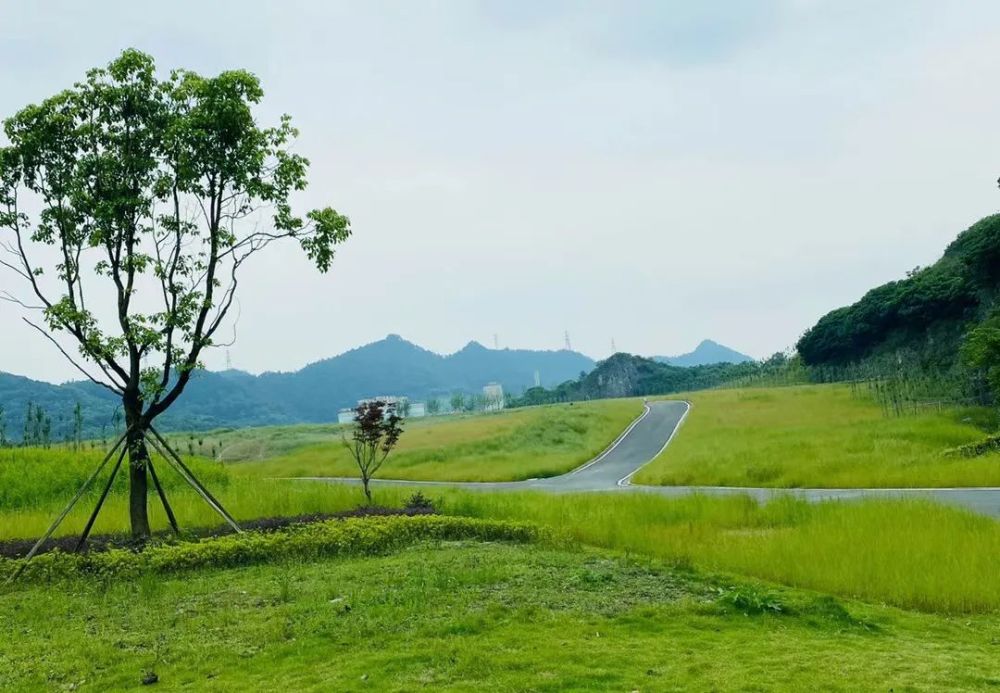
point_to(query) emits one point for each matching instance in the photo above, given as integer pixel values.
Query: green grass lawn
(515, 444)
(818, 437)
(911, 554)
(474, 616)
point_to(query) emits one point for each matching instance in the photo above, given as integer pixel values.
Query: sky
(652, 173)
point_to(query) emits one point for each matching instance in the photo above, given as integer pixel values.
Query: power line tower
(569, 346)
(229, 361)
(614, 350)
(496, 341)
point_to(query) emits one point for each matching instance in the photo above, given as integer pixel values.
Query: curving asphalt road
(649, 434)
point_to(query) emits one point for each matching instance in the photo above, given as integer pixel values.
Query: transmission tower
(614, 350)
(229, 361)
(496, 341)
(569, 346)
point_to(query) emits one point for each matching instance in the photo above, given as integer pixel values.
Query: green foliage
(625, 375)
(751, 600)
(360, 536)
(112, 165)
(920, 322)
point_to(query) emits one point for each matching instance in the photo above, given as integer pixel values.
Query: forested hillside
(925, 315)
(626, 375)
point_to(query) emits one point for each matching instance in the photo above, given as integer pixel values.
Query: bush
(751, 601)
(352, 537)
(419, 502)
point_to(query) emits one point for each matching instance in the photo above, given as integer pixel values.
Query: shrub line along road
(649, 434)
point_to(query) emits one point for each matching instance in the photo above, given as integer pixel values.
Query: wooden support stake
(100, 502)
(163, 499)
(189, 477)
(64, 513)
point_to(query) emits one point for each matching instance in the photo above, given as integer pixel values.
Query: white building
(418, 409)
(345, 416)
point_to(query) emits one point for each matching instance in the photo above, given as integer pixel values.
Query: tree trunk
(365, 479)
(138, 456)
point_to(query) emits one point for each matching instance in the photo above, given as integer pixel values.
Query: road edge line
(627, 479)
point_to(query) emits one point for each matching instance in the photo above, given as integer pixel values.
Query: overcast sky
(650, 172)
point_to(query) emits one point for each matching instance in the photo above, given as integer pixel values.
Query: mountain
(706, 353)
(923, 317)
(314, 394)
(626, 375)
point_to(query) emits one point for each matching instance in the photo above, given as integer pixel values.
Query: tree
(433, 406)
(981, 350)
(77, 426)
(3, 428)
(157, 192)
(457, 401)
(377, 428)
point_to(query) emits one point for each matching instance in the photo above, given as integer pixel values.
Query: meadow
(473, 615)
(511, 445)
(910, 554)
(820, 436)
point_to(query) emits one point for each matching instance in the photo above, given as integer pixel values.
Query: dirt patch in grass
(18, 548)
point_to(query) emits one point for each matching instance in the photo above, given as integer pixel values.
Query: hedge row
(352, 537)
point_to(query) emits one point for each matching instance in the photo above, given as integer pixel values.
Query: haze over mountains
(314, 394)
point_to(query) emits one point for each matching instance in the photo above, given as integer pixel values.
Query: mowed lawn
(818, 437)
(507, 446)
(474, 616)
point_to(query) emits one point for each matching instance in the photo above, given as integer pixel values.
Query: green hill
(922, 318)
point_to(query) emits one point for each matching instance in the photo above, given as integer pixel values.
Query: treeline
(626, 375)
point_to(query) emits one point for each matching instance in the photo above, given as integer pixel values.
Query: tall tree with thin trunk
(129, 203)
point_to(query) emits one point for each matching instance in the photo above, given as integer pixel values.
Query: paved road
(651, 433)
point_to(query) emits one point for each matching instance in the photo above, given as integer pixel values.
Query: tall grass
(818, 436)
(518, 444)
(912, 554)
(37, 478)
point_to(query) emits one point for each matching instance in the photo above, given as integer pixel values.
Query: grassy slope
(910, 554)
(816, 436)
(430, 615)
(515, 444)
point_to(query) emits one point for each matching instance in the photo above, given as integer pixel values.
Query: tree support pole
(64, 513)
(163, 499)
(100, 502)
(188, 476)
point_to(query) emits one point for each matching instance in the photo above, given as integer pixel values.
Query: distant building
(404, 407)
(493, 397)
(345, 416)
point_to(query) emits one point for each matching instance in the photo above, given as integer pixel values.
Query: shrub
(356, 536)
(419, 502)
(751, 601)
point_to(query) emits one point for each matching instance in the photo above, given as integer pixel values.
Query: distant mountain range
(314, 394)
(705, 354)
